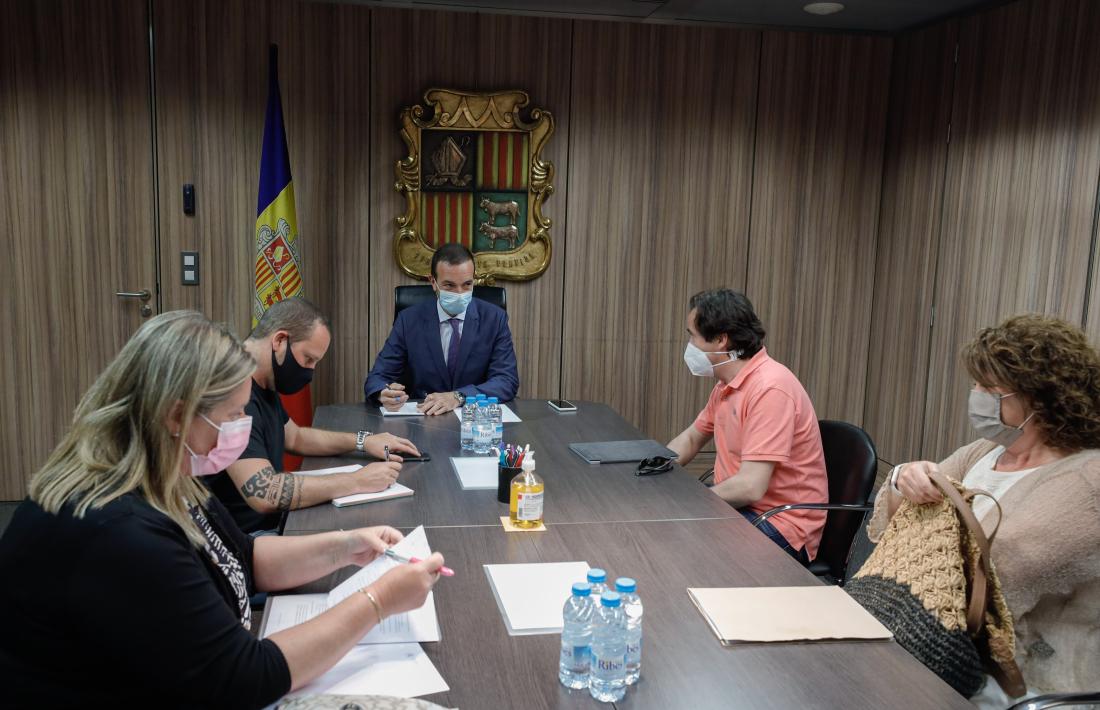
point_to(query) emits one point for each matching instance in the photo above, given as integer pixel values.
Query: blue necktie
(452, 349)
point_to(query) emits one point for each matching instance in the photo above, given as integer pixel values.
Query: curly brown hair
(1050, 363)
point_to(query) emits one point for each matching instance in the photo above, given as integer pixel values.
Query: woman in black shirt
(125, 583)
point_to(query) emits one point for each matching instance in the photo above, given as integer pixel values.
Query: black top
(120, 609)
(268, 441)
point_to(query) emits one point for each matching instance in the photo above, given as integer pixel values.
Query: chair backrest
(405, 296)
(851, 464)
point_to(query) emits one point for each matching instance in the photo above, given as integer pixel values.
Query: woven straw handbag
(931, 581)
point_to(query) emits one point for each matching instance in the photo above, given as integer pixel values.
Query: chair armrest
(708, 475)
(1057, 700)
(810, 506)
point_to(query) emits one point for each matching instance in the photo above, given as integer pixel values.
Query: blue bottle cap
(482, 403)
(494, 400)
(611, 599)
(582, 589)
(625, 584)
(481, 397)
(597, 576)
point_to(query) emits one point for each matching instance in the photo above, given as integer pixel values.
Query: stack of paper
(395, 490)
(408, 409)
(476, 473)
(397, 669)
(531, 596)
(760, 614)
(507, 416)
(417, 625)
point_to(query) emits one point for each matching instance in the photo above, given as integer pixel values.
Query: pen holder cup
(505, 474)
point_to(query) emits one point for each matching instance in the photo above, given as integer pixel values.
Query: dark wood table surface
(576, 491)
(694, 544)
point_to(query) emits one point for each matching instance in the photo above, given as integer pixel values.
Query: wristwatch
(460, 397)
(360, 440)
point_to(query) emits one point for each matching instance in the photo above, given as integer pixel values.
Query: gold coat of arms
(475, 175)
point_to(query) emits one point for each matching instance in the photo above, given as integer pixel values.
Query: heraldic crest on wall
(475, 175)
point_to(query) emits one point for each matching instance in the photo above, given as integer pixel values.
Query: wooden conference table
(667, 531)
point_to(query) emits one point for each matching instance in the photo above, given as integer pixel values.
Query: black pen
(386, 451)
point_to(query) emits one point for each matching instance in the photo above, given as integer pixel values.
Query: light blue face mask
(454, 304)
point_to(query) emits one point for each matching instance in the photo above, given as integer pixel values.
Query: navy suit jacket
(413, 354)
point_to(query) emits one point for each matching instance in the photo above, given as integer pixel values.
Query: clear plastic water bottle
(497, 415)
(466, 435)
(632, 612)
(576, 637)
(483, 429)
(598, 579)
(607, 671)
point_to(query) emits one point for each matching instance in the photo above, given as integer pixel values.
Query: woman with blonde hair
(125, 582)
(1036, 404)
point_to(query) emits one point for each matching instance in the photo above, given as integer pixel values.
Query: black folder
(620, 451)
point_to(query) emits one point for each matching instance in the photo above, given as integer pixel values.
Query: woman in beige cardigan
(1036, 403)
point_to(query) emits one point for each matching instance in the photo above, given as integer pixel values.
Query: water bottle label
(529, 506)
(634, 650)
(576, 658)
(608, 665)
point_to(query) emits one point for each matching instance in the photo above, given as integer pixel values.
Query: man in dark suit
(449, 348)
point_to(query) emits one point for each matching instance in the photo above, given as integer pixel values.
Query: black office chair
(1057, 700)
(405, 296)
(850, 464)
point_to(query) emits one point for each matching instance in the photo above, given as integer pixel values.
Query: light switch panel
(189, 268)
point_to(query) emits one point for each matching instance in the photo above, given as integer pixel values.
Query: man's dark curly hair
(1049, 363)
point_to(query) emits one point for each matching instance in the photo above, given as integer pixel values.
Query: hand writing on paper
(393, 396)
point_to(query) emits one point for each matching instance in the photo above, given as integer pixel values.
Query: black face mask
(290, 377)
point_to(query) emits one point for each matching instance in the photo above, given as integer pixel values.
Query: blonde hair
(119, 439)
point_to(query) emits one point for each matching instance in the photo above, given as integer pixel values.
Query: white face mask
(700, 365)
(985, 417)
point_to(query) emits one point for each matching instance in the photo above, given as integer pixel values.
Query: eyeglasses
(653, 466)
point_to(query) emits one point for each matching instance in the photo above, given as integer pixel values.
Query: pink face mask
(232, 440)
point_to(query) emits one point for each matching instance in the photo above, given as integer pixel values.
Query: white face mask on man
(700, 365)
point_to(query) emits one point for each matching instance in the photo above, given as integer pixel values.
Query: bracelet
(894, 479)
(374, 603)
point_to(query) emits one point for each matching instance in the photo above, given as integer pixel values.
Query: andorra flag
(278, 259)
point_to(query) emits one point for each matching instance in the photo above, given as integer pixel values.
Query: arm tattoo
(282, 490)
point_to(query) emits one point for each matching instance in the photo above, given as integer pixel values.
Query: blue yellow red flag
(278, 258)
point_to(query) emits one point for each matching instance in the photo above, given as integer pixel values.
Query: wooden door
(76, 208)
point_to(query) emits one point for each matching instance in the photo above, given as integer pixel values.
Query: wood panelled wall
(813, 171)
(76, 209)
(660, 177)
(1018, 214)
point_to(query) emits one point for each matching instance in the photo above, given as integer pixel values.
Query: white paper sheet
(334, 469)
(398, 669)
(408, 409)
(507, 416)
(531, 596)
(420, 624)
(476, 473)
(395, 490)
(417, 625)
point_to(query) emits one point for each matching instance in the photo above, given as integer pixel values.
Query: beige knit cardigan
(1047, 555)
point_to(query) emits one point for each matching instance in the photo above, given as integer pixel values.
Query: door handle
(143, 294)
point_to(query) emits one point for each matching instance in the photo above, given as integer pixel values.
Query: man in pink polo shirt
(762, 421)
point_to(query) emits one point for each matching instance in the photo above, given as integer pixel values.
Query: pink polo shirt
(764, 414)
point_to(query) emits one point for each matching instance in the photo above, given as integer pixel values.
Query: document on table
(762, 614)
(531, 596)
(408, 409)
(402, 670)
(507, 416)
(420, 624)
(476, 473)
(326, 471)
(395, 490)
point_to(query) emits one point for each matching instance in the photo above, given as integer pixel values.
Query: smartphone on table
(562, 405)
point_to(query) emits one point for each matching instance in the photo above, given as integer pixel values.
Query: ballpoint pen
(386, 451)
(445, 571)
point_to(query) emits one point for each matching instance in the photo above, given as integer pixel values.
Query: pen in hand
(445, 571)
(386, 453)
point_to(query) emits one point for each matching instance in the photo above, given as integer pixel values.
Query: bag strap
(979, 594)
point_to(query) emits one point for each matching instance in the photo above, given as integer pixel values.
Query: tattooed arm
(268, 491)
